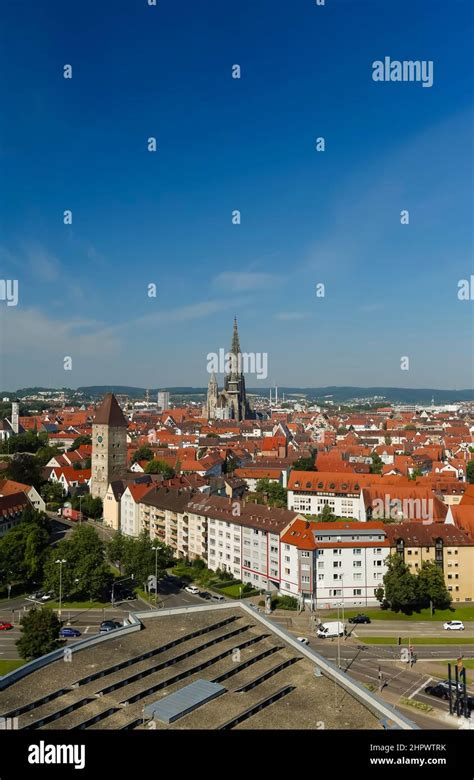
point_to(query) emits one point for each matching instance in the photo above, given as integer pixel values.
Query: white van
(329, 630)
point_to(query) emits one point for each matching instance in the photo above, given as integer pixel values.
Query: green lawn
(233, 591)
(77, 605)
(420, 640)
(10, 665)
(459, 613)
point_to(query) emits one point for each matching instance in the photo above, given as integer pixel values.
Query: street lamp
(156, 575)
(60, 561)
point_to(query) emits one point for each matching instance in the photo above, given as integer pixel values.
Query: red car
(5, 626)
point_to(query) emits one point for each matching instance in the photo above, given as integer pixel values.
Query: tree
(40, 633)
(117, 550)
(276, 493)
(52, 492)
(85, 572)
(470, 472)
(159, 467)
(44, 455)
(91, 507)
(326, 515)
(377, 464)
(304, 464)
(79, 441)
(139, 559)
(143, 453)
(400, 585)
(23, 548)
(415, 474)
(430, 587)
(26, 469)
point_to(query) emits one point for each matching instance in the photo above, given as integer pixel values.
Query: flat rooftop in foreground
(268, 683)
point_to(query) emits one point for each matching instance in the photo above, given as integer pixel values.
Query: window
(305, 554)
(320, 564)
(336, 552)
(337, 564)
(357, 551)
(287, 558)
(304, 578)
(320, 577)
(287, 547)
(357, 592)
(287, 571)
(357, 564)
(357, 576)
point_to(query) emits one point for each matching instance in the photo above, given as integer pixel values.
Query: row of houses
(280, 550)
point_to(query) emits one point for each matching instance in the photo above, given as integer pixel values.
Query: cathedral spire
(235, 348)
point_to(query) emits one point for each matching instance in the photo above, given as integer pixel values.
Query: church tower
(109, 446)
(212, 394)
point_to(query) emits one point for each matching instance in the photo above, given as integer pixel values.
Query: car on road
(303, 639)
(205, 595)
(192, 589)
(69, 632)
(454, 625)
(109, 625)
(5, 626)
(359, 619)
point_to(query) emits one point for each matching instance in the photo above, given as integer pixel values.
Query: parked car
(303, 639)
(205, 595)
(359, 619)
(36, 596)
(454, 625)
(5, 626)
(109, 625)
(47, 596)
(441, 691)
(453, 685)
(67, 632)
(192, 589)
(217, 597)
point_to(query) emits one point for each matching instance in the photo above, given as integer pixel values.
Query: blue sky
(225, 144)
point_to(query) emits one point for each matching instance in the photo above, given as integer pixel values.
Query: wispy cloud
(291, 315)
(245, 281)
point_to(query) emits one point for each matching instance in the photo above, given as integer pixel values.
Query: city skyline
(308, 217)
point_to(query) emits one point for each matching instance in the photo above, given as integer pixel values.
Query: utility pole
(60, 561)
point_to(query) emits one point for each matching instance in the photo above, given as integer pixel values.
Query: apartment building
(159, 512)
(451, 548)
(244, 539)
(130, 508)
(310, 491)
(326, 564)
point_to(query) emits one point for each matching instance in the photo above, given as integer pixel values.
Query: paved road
(86, 620)
(406, 628)
(381, 667)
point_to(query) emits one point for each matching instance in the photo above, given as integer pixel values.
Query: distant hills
(400, 395)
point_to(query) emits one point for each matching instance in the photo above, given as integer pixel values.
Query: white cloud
(242, 281)
(291, 315)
